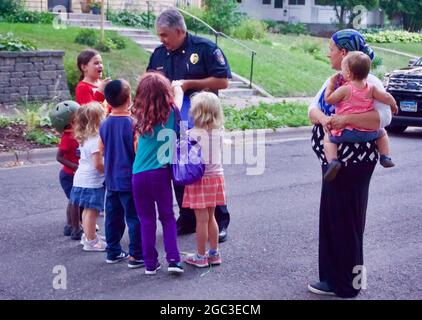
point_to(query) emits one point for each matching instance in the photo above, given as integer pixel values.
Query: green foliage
(6, 122)
(119, 42)
(221, 14)
(95, 5)
(193, 24)
(410, 11)
(267, 116)
(34, 115)
(87, 37)
(393, 37)
(250, 29)
(311, 47)
(292, 28)
(376, 63)
(41, 137)
(9, 42)
(22, 16)
(103, 46)
(130, 19)
(10, 7)
(345, 8)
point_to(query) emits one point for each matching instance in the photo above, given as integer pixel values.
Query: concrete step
(148, 44)
(133, 32)
(237, 84)
(237, 92)
(87, 23)
(142, 37)
(84, 16)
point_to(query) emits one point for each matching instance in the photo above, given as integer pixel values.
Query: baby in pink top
(356, 95)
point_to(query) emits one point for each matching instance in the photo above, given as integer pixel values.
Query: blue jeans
(66, 181)
(120, 205)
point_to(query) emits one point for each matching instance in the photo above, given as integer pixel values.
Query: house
(115, 5)
(295, 11)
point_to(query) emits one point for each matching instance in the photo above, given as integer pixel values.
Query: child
(90, 87)
(355, 96)
(68, 155)
(151, 181)
(88, 189)
(116, 142)
(203, 196)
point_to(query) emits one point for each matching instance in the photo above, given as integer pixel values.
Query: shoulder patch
(219, 57)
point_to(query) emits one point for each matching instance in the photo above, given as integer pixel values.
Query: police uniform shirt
(197, 58)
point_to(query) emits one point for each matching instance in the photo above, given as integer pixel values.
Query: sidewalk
(45, 155)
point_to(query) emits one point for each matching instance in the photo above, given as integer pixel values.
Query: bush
(11, 43)
(87, 37)
(130, 19)
(23, 16)
(191, 23)
(103, 46)
(72, 75)
(393, 37)
(119, 42)
(295, 28)
(41, 137)
(250, 29)
(10, 7)
(221, 15)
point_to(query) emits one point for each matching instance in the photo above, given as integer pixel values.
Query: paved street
(273, 237)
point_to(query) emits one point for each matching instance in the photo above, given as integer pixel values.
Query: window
(266, 1)
(278, 4)
(297, 2)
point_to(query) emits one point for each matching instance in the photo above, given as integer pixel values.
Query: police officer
(200, 65)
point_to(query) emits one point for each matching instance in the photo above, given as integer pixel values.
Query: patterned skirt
(206, 193)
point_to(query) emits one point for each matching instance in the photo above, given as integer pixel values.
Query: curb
(49, 154)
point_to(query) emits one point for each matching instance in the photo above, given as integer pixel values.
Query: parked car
(406, 87)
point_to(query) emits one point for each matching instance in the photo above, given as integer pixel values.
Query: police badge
(194, 58)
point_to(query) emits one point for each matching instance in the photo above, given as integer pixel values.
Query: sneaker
(134, 264)
(95, 245)
(332, 171)
(102, 214)
(97, 228)
(214, 259)
(321, 288)
(152, 272)
(197, 261)
(76, 234)
(122, 256)
(175, 267)
(386, 161)
(67, 230)
(83, 238)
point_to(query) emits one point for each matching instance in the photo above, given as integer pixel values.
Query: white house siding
(307, 13)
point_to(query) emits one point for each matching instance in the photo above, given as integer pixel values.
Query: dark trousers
(149, 188)
(187, 219)
(120, 206)
(342, 222)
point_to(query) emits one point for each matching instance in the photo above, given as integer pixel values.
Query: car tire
(396, 129)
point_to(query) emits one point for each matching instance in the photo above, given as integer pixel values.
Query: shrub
(221, 15)
(23, 16)
(130, 19)
(72, 75)
(11, 43)
(250, 29)
(87, 37)
(191, 23)
(295, 28)
(103, 46)
(119, 42)
(41, 137)
(393, 37)
(10, 7)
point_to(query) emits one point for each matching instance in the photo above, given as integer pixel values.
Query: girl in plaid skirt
(203, 196)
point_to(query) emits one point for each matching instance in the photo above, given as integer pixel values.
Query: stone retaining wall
(32, 76)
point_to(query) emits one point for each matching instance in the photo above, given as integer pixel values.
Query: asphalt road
(273, 237)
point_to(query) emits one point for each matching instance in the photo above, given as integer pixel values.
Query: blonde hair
(87, 121)
(206, 111)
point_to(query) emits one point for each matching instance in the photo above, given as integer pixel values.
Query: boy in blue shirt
(117, 143)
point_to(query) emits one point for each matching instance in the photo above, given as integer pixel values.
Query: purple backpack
(187, 166)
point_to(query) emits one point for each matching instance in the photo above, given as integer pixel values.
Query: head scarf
(352, 40)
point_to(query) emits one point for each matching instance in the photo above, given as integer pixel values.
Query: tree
(221, 15)
(345, 9)
(408, 11)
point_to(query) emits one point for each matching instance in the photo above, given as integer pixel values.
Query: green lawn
(411, 48)
(284, 65)
(128, 63)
